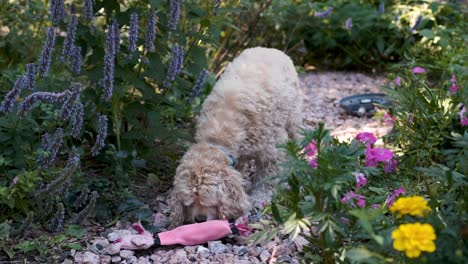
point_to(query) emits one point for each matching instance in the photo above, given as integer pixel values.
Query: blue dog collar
(232, 160)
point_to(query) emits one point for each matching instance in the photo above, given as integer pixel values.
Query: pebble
(116, 259)
(126, 254)
(118, 234)
(88, 258)
(240, 250)
(179, 257)
(112, 249)
(105, 259)
(254, 251)
(143, 260)
(203, 252)
(217, 247)
(132, 259)
(265, 255)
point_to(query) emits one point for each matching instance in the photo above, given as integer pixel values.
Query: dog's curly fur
(255, 105)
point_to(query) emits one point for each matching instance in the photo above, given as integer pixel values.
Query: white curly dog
(255, 105)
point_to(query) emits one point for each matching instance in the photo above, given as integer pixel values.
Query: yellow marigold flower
(414, 238)
(414, 205)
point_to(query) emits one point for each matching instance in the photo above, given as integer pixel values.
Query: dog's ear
(177, 215)
(233, 200)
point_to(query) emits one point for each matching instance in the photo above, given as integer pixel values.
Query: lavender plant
(45, 58)
(101, 136)
(174, 14)
(150, 31)
(57, 11)
(197, 88)
(88, 9)
(133, 34)
(176, 65)
(107, 81)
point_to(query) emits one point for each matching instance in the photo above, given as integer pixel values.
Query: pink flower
(398, 81)
(313, 163)
(366, 137)
(388, 119)
(360, 180)
(311, 148)
(463, 117)
(454, 88)
(453, 79)
(14, 181)
(344, 220)
(393, 195)
(418, 70)
(376, 206)
(350, 197)
(376, 155)
(390, 165)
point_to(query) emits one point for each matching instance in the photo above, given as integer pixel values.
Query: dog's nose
(200, 218)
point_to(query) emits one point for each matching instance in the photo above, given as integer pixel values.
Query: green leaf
(363, 255)
(75, 231)
(4, 231)
(26, 246)
(73, 246)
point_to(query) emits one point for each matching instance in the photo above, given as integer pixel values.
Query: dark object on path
(363, 104)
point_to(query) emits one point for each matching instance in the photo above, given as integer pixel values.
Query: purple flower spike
(30, 76)
(176, 65)
(109, 63)
(349, 23)
(150, 31)
(45, 58)
(45, 97)
(11, 97)
(69, 42)
(133, 35)
(57, 11)
(52, 146)
(101, 136)
(73, 96)
(88, 10)
(196, 90)
(115, 26)
(325, 13)
(382, 7)
(174, 14)
(77, 120)
(416, 24)
(76, 61)
(418, 70)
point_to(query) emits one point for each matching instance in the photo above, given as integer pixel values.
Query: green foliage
(149, 124)
(375, 40)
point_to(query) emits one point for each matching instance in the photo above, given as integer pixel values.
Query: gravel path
(322, 91)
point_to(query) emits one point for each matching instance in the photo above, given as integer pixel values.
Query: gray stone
(118, 234)
(132, 260)
(112, 249)
(126, 254)
(161, 220)
(143, 260)
(98, 244)
(88, 258)
(254, 251)
(203, 252)
(179, 257)
(217, 247)
(254, 260)
(72, 252)
(265, 255)
(105, 259)
(116, 259)
(284, 259)
(240, 250)
(67, 261)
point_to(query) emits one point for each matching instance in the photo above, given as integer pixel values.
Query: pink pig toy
(186, 235)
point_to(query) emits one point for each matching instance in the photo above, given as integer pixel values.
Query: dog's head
(206, 187)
